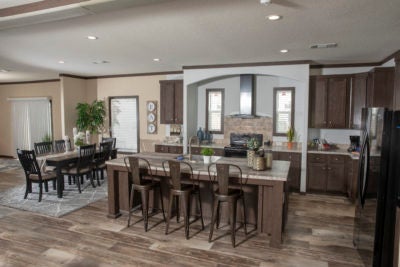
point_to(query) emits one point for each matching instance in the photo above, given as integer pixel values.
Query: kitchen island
(265, 191)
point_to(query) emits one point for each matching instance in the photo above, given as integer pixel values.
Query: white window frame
(209, 112)
(277, 112)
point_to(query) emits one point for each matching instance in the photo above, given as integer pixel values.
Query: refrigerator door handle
(366, 171)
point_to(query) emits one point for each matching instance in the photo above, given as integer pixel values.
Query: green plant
(207, 151)
(47, 138)
(79, 142)
(91, 116)
(253, 144)
(290, 134)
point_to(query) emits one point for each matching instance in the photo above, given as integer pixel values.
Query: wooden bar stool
(225, 193)
(181, 191)
(139, 168)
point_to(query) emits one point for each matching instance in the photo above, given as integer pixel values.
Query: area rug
(52, 205)
(7, 164)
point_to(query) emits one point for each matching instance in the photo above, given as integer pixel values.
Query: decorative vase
(250, 157)
(88, 137)
(200, 135)
(207, 159)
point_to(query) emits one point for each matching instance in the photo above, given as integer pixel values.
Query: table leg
(60, 182)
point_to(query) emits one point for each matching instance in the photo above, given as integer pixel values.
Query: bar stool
(138, 168)
(181, 191)
(225, 193)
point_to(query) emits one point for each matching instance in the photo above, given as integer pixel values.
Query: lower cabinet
(295, 168)
(169, 149)
(326, 173)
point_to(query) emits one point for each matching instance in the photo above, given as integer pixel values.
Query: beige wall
(146, 87)
(46, 89)
(73, 91)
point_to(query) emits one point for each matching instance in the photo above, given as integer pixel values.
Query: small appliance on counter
(354, 143)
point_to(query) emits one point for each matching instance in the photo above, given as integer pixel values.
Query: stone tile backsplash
(259, 125)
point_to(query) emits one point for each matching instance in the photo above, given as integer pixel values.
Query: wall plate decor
(151, 107)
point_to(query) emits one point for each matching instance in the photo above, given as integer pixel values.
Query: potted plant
(252, 145)
(91, 117)
(290, 137)
(207, 152)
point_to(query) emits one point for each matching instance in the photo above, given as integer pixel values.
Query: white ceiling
(192, 32)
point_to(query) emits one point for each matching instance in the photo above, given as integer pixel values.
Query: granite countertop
(295, 149)
(336, 151)
(278, 172)
(193, 145)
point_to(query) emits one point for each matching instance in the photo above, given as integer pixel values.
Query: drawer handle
(316, 158)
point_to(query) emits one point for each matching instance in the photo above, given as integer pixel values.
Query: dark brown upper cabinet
(329, 101)
(380, 87)
(358, 99)
(171, 102)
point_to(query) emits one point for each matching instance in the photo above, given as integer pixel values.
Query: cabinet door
(317, 177)
(178, 102)
(358, 99)
(380, 88)
(336, 180)
(337, 102)
(167, 97)
(317, 103)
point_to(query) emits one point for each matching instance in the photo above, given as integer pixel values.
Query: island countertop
(278, 172)
(265, 191)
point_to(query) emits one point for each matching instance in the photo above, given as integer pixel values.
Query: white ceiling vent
(327, 45)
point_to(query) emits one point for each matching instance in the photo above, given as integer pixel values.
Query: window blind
(283, 110)
(214, 110)
(124, 123)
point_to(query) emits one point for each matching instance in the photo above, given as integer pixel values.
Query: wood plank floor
(318, 234)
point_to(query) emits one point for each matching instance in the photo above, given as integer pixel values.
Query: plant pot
(290, 145)
(207, 159)
(250, 158)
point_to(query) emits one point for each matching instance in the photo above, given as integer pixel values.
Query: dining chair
(100, 160)
(179, 170)
(139, 168)
(84, 166)
(59, 146)
(113, 140)
(33, 173)
(225, 192)
(42, 148)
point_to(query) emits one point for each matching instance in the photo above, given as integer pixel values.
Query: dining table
(62, 160)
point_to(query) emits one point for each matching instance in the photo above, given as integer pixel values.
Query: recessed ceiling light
(92, 37)
(156, 59)
(265, 2)
(284, 51)
(100, 62)
(274, 17)
(61, 61)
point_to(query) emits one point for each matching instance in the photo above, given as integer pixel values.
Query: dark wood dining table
(62, 160)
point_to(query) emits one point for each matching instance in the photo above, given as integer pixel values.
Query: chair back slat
(137, 168)
(113, 140)
(86, 156)
(43, 148)
(177, 171)
(59, 146)
(224, 173)
(27, 158)
(105, 151)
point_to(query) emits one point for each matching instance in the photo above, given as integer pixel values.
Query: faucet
(190, 145)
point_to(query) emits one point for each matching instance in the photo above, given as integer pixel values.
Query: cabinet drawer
(293, 157)
(175, 149)
(161, 149)
(195, 150)
(337, 158)
(219, 152)
(316, 158)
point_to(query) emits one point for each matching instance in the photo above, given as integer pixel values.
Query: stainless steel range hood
(247, 96)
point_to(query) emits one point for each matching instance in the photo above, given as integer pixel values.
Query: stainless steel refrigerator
(378, 190)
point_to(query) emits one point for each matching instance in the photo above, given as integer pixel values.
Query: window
(283, 110)
(215, 110)
(31, 119)
(124, 123)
